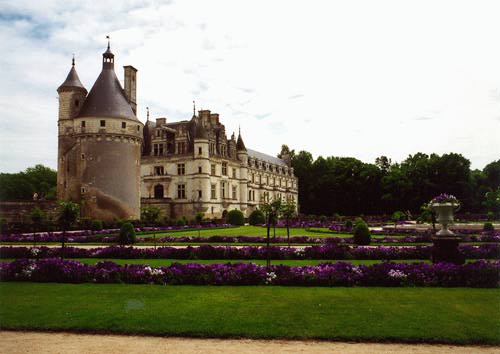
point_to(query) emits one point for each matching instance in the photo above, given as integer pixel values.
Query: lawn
(448, 315)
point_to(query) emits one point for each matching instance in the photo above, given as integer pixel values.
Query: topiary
(127, 234)
(348, 225)
(257, 217)
(362, 235)
(180, 222)
(235, 217)
(488, 226)
(96, 225)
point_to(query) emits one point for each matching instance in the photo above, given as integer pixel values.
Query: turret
(242, 153)
(72, 95)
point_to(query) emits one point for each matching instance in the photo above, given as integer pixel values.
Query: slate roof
(72, 80)
(265, 157)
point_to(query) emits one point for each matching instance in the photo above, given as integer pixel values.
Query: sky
(336, 78)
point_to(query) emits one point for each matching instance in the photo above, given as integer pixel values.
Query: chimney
(131, 86)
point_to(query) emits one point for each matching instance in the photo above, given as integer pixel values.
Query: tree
(68, 214)
(270, 210)
(383, 163)
(397, 216)
(150, 215)
(288, 211)
(22, 185)
(38, 218)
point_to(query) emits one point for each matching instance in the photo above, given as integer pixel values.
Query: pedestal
(445, 249)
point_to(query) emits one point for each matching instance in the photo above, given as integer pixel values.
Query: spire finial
(73, 60)
(194, 108)
(108, 38)
(239, 129)
(147, 110)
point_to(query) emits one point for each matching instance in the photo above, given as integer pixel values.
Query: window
(181, 191)
(212, 169)
(223, 190)
(181, 169)
(274, 181)
(249, 195)
(124, 125)
(158, 191)
(234, 192)
(138, 128)
(260, 179)
(212, 192)
(223, 150)
(157, 149)
(234, 173)
(199, 169)
(159, 171)
(267, 180)
(103, 123)
(200, 150)
(224, 168)
(83, 156)
(253, 177)
(199, 193)
(158, 132)
(212, 148)
(181, 148)
(77, 103)
(83, 190)
(83, 124)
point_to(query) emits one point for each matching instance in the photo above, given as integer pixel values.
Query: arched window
(158, 191)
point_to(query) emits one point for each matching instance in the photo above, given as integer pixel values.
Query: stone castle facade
(115, 164)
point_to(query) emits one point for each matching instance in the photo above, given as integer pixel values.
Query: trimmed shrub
(96, 225)
(256, 218)
(235, 217)
(488, 226)
(180, 222)
(362, 235)
(127, 234)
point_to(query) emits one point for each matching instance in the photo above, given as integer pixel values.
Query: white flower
(29, 269)
(35, 251)
(152, 271)
(270, 277)
(397, 274)
(356, 270)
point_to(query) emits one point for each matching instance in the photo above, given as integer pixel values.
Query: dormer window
(124, 125)
(83, 124)
(103, 123)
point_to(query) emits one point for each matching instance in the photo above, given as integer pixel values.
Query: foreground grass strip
(455, 315)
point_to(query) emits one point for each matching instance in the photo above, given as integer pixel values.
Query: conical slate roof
(72, 80)
(240, 145)
(107, 97)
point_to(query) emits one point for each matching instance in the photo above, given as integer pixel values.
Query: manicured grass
(294, 263)
(454, 315)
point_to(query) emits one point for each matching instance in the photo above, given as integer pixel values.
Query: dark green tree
(68, 213)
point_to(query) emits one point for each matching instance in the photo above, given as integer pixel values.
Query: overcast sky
(335, 78)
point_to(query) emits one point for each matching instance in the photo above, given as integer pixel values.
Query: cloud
(245, 89)
(423, 118)
(295, 96)
(263, 115)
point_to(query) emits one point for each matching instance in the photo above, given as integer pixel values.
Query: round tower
(202, 163)
(71, 97)
(108, 139)
(242, 154)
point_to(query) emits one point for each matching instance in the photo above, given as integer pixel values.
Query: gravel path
(70, 343)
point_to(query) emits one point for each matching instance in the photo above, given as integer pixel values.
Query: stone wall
(18, 211)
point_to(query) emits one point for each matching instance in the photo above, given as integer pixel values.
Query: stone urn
(445, 242)
(444, 212)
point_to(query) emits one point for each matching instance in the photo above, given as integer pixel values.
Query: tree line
(348, 186)
(22, 185)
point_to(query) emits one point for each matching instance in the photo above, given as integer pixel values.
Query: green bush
(127, 234)
(488, 226)
(362, 235)
(96, 225)
(180, 222)
(348, 225)
(322, 218)
(257, 217)
(235, 217)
